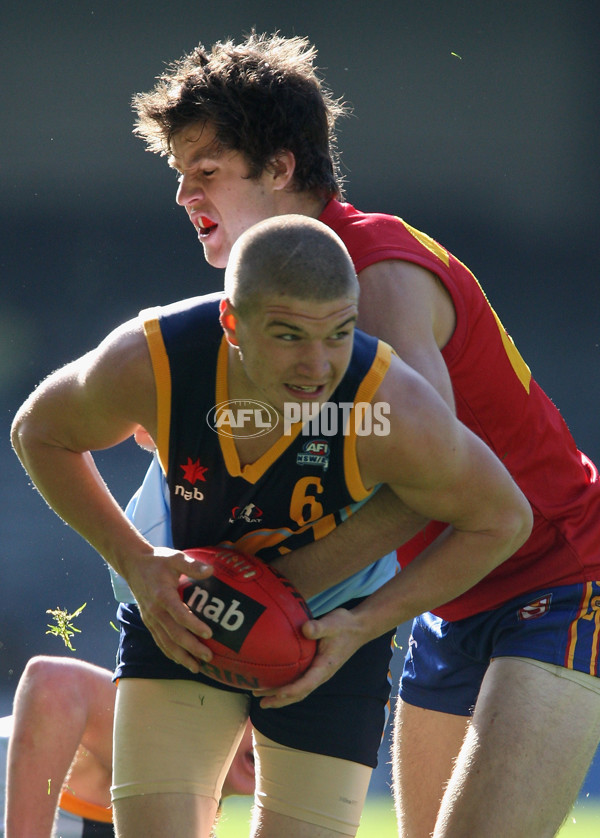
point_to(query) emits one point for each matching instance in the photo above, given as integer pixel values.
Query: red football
(256, 617)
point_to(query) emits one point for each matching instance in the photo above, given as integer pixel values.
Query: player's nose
(314, 362)
(188, 191)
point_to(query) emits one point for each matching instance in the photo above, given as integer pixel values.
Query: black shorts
(97, 829)
(343, 718)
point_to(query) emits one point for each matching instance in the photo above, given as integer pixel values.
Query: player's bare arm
(408, 307)
(377, 528)
(439, 469)
(93, 403)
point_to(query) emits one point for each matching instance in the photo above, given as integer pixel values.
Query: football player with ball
(283, 332)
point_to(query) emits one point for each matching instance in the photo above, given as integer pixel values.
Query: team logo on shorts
(536, 608)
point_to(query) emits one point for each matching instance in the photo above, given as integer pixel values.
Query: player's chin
(216, 257)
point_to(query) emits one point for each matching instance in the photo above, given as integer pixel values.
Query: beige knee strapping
(318, 789)
(584, 679)
(174, 736)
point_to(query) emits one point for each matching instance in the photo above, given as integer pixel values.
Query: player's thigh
(543, 714)
(424, 747)
(526, 754)
(174, 742)
(301, 794)
(160, 815)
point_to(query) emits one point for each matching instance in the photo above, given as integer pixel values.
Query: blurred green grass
(378, 819)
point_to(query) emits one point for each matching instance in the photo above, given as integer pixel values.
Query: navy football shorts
(343, 718)
(446, 661)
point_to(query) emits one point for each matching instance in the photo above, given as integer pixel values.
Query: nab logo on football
(242, 418)
(229, 613)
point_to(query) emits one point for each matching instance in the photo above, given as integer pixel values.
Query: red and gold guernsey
(497, 398)
(304, 484)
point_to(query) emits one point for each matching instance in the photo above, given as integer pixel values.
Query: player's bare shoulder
(118, 374)
(405, 304)
(125, 347)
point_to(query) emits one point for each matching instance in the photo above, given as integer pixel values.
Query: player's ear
(228, 321)
(282, 166)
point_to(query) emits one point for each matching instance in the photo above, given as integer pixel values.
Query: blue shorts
(344, 718)
(446, 661)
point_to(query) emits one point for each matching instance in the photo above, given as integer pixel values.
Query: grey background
(477, 122)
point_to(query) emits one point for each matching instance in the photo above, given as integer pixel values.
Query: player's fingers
(313, 630)
(317, 674)
(290, 695)
(183, 617)
(178, 633)
(181, 646)
(194, 568)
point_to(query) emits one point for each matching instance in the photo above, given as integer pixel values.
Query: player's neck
(251, 441)
(301, 203)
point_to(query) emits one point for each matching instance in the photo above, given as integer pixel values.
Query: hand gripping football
(256, 617)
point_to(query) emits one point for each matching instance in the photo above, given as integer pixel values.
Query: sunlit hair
(291, 255)
(262, 97)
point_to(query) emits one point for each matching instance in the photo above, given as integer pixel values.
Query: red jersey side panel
(497, 398)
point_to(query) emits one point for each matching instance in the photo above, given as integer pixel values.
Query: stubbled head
(288, 255)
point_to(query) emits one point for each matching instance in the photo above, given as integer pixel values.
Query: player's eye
(341, 335)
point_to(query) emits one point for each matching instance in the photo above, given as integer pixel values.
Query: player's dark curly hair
(262, 96)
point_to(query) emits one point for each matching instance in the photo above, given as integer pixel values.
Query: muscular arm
(438, 467)
(407, 307)
(94, 403)
(441, 470)
(377, 528)
(87, 405)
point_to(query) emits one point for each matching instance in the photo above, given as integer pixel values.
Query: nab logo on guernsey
(229, 613)
(192, 472)
(242, 418)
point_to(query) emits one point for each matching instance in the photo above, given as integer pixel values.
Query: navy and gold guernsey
(301, 487)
